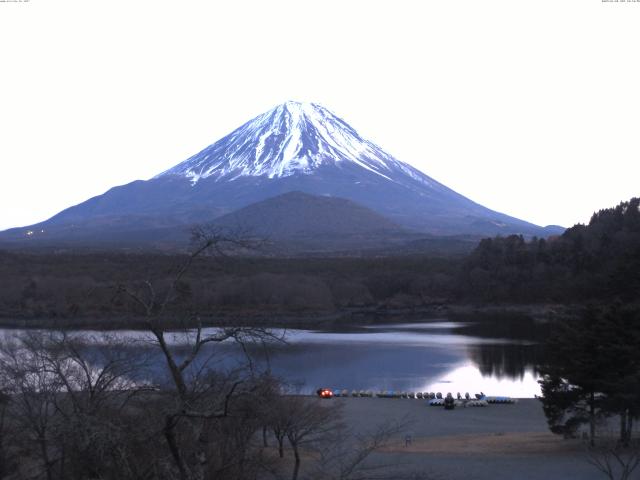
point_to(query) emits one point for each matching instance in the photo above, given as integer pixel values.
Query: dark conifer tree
(593, 371)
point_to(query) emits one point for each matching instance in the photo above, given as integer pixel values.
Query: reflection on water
(417, 327)
(418, 338)
(506, 360)
(468, 378)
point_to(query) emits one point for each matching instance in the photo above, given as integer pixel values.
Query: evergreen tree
(593, 371)
(572, 377)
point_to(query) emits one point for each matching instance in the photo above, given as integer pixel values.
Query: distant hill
(297, 214)
(296, 222)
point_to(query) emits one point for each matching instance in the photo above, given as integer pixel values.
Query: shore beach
(480, 443)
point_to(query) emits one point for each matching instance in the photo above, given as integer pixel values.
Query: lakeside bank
(498, 442)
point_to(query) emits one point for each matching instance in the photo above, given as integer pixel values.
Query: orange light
(326, 393)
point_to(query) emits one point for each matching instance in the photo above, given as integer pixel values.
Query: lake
(434, 356)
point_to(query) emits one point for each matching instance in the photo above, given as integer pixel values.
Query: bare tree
(615, 460)
(278, 420)
(199, 397)
(304, 423)
(66, 395)
(348, 455)
(5, 464)
(33, 392)
(315, 430)
(96, 371)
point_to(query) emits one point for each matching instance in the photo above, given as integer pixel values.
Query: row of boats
(469, 402)
(435, 398)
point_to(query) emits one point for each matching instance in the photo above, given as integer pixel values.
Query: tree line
(598, 261)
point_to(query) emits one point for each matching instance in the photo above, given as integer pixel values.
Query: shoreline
(541, 313)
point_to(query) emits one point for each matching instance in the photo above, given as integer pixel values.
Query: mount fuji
(295, 147)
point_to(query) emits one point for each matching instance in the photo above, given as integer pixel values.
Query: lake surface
(434, 356)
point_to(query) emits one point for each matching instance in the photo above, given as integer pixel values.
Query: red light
(325, 393)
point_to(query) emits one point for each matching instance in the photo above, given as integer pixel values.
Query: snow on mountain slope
(291, 138)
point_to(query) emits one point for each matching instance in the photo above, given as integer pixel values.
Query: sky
(531, 108)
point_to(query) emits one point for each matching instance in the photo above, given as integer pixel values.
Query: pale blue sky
(528, 107)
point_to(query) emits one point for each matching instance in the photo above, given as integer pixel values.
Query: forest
(597, 262)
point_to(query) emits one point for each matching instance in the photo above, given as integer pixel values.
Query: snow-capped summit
(292, 138)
